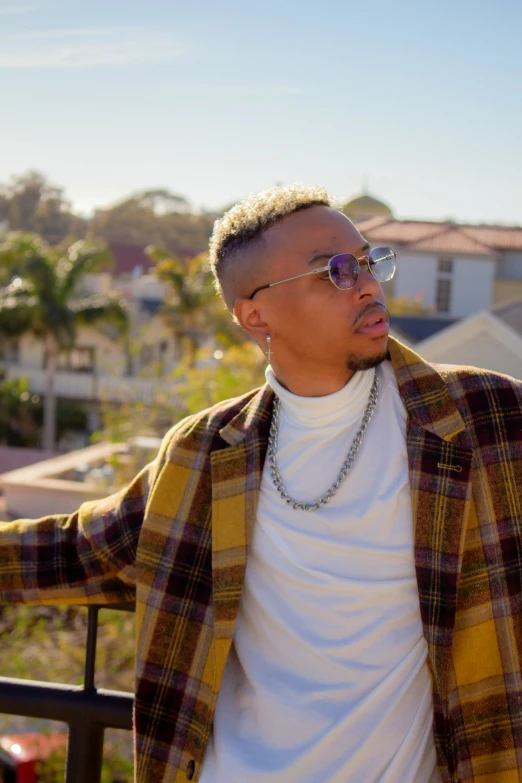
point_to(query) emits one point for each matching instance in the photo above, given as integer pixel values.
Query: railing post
(84, 754)
(85, 740)
(86, 710)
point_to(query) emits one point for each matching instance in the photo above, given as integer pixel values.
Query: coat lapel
(236, 478)
(440, 461)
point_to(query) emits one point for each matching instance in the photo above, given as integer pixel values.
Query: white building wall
(472, 287)
(415, 276)
(510, 265)
(472, 281)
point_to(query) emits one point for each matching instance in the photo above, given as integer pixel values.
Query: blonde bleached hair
(244, 224)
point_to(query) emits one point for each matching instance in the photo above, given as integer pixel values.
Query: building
(456, 269)
(101, 366)
(490, 339)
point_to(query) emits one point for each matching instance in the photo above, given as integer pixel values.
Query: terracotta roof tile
(452, 241)
(496, 237)
(442, 237)
(128, 258)
(402, 232)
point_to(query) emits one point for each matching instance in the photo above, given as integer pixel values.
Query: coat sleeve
(85, 557)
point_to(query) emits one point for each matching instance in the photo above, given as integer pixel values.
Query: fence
(86, 710)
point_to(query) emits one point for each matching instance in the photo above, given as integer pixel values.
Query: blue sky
(215, 100)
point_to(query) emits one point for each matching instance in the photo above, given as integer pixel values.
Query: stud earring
(269, 347)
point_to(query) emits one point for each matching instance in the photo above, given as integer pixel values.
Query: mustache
(377, 307)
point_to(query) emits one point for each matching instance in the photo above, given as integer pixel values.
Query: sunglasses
(344, 268)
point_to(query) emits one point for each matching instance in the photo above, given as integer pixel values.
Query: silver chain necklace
(347, 464)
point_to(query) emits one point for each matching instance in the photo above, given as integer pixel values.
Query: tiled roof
(128, 258)
(441, 237)
(499, 237)
(453, 241)
(404, 232)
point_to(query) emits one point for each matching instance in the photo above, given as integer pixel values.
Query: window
(10, 352)
(147, 354)
(443, 295)
(445, 266)
(79, 359)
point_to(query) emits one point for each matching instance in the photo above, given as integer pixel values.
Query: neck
(307, 384)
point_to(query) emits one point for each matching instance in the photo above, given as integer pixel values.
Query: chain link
(347, 464)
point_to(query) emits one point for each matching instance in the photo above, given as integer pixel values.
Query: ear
(249, 317)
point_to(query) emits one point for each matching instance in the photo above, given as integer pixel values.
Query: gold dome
(364, 206)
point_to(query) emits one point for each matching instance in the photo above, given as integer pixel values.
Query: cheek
(319, 311)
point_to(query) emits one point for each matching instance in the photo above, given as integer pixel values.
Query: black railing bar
(90, 648)
(66, 703)
(84, 754)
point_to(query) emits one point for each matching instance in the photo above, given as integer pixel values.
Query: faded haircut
(244, 224)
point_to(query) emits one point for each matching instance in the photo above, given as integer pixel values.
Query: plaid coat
(177, 540)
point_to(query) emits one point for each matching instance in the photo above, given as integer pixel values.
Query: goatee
(356, 363)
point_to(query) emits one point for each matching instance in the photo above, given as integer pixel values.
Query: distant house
(412, 329)
(456, 269)
(491, 339)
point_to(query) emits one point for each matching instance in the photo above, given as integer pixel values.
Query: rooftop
(442, 237)
(418, 327)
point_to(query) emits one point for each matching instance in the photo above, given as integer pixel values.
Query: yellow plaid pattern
(177, 539)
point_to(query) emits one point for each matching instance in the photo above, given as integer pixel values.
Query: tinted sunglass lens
(344, 270)
(382, 263)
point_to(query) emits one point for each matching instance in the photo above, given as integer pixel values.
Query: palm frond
(93, 309)
(40, 271)
(80, 259)
(17, 249)
(17, 314)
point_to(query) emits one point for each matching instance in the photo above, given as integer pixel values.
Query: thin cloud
(86, 48)
(76, 32)
(19, 9)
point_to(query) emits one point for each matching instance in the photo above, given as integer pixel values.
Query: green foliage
(21, 415)
(156, 217)
(193, 310)
(43, 300)
(18, 414)
(47, 643)
(239, 369)
(404, 305)
(43, 296)
(29, 202)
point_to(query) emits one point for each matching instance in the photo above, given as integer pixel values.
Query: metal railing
(86, 710)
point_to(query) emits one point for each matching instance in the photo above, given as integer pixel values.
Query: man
(328, 570)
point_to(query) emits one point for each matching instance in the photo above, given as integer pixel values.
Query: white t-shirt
(327, 680)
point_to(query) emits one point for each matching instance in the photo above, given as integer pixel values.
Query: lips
(374, 322)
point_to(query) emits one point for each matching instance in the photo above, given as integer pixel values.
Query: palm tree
(186, 309)
(43, 299)
(193, 310)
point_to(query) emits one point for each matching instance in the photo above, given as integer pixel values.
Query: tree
(157, 217)
(191, 293)
(193, 309)
(29, 202)
(44, 300)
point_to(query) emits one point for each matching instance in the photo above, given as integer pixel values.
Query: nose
(367, 285)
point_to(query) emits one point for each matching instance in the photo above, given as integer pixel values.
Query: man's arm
(85, 557)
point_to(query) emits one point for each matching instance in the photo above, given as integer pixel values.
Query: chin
(356, 362)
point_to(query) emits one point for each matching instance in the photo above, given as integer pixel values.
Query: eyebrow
(320, 255)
